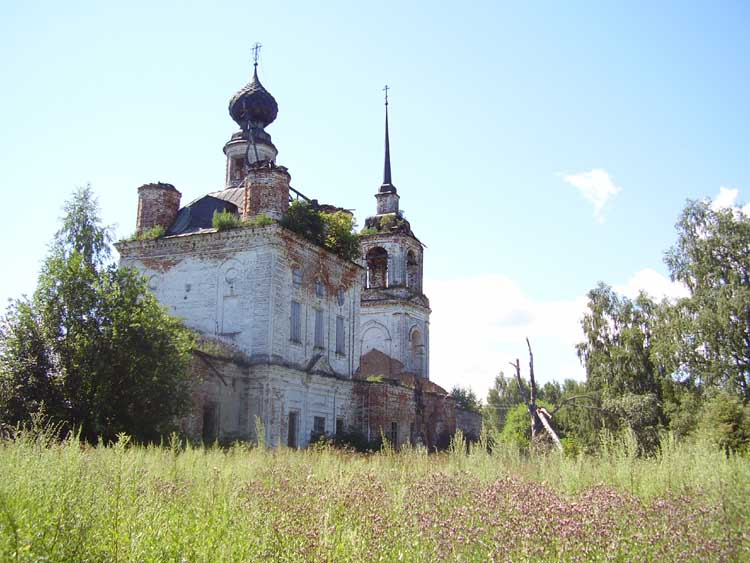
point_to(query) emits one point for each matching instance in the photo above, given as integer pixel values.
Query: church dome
(253, 105)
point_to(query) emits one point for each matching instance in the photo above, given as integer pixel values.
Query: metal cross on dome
(385, 89)
(256, 53)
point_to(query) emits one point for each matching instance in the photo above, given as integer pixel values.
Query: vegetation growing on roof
(155, 232)
(260, 220)
(334, 231)
(225, 220)
(386, 223)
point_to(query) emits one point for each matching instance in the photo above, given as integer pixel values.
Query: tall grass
(68, 502)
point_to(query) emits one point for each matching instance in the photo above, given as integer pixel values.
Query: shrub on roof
(224, 220)
(334, 231)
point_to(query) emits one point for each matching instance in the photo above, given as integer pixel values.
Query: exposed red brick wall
(266, 191)
(375, 363)
(433, 415)
(158, 204)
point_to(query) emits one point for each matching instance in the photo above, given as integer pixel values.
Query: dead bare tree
(539, 416)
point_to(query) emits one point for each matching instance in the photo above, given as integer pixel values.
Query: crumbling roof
(235, 196)
(199, 214)
(389, 223)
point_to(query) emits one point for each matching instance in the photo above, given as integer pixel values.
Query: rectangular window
(394, 433)
(318, 328)
(319, 424)
(291, 439)
(339, 426)
(340, 336)
(295, 332)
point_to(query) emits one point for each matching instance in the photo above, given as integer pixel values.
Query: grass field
(65, 502)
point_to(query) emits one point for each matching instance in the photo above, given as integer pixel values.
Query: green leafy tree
(92, 347)
(517, 429)
(617, 350)
(502, 397)
(726, 420)
(580, 418)
(466, 399)
(712, 258)
(653, 363)
(622, 363)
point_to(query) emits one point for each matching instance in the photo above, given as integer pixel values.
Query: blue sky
(504, 118)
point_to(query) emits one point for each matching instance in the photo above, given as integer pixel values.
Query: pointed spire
(387, 166)
(387, 185)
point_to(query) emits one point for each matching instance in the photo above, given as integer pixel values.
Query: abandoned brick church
(291, 334)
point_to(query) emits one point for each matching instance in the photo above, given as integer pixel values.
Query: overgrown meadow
(68, 502)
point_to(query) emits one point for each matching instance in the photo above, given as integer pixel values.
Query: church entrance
(210, 424)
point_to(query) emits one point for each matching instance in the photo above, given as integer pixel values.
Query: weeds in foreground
(68, 502)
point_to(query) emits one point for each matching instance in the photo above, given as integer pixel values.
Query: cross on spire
(256, 53)
(387, 163)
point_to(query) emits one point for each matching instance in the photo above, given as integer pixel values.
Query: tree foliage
(502, 397)
(712, 258)
(340, 237)
(466, 399)
(92, 347)
(654, 364)
(617, 350)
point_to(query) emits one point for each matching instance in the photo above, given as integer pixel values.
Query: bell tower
(395, 313)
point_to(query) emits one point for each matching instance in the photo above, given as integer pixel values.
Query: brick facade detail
(266, 190)
(158, 204)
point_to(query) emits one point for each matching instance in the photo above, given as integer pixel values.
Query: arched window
(412, 270)
(377, 267)
(237, 169)
(320, 289)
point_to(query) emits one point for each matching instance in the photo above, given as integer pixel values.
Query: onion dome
(253, 105)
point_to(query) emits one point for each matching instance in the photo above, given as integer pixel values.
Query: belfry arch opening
(377, 267)
(412, 270)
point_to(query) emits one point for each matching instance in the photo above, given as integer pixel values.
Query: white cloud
(479, 325)
(596, 186)
(653, 283)
(727, 198)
